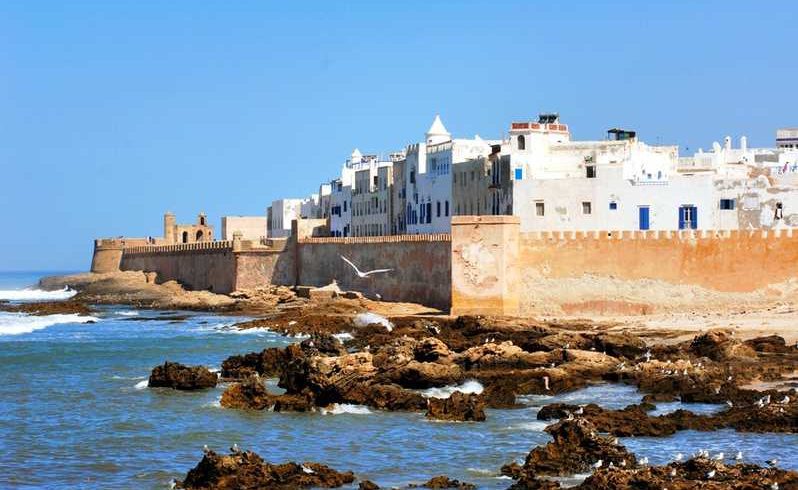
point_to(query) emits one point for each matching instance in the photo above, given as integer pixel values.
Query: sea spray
(20, 323)
(368, 318)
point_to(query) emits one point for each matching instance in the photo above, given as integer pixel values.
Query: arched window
(521, 142)
(185, 237)
(199, 235)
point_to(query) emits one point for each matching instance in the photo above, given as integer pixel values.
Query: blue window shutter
(681, 218)
(519, 174)
(695, 217)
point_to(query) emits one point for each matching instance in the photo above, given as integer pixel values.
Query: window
(412, 177)
(429, 212)
(587, 207)
(439, 209)
(447, 208)
(613, 206)
(727, 204)
(590, 171)
(540, 208)
(521, 143)
(519, 174)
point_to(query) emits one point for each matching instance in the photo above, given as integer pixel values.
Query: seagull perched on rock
(711, 474)
(730, 403)
(772, 462)
(719, 457)
(739, 456)
(364, 275)
(307, 470)
(644, 461)
(785, 400)
(235, 448)
(206, 449)
(598, 464)
(673, 472)
(546, 382)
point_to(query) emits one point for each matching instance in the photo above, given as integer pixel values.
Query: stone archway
(199, 235)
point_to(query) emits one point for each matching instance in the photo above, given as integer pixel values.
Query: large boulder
(504, 355)
(458, 407)
(248, 471)
(180, 377)
(720, 345)
(249, 394)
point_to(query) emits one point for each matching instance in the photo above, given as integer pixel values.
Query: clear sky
(113, 112)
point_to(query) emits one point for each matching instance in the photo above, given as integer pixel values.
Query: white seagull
(364, 275)
(598, 464)
(644, 461)
(711, 474)
(739, 456)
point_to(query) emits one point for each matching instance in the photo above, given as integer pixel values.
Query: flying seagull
(364, 274)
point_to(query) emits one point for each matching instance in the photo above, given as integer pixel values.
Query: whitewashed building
(280, 215)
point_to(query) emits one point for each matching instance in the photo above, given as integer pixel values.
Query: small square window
(519, 174)
(613, 206)
(727, 204)
(587, 207)
(540, 208)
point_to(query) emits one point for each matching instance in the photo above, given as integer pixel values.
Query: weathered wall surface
(485, 276)
(198, 266)
(421, 266)
(731, 261)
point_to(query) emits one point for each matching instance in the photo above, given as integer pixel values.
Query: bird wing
(377, 271)
(353, 265)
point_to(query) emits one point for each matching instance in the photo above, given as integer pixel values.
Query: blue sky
(113, 112)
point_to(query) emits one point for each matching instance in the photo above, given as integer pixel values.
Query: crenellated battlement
(680, 235)
(180, 247)
(424, 237)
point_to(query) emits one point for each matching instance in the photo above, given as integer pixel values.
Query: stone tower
(169, 224)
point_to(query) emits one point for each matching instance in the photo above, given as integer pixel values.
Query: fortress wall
(492, 260)
(421, 263)
(729, 261)
(196, 266)
(262, 268)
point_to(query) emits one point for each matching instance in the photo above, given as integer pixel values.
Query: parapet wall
(198, 266)
(421, 266)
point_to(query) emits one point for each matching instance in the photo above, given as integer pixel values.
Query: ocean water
(75, 412)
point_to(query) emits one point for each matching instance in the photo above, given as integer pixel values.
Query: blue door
(688, 217)
(644, 223)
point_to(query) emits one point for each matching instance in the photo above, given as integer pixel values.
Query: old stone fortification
(421, 266)
(484, 267)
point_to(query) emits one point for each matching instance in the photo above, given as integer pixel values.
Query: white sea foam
(339, 408)
(19, 323)
(368, 318)
(343, 336)
(142, 384)
(36, 294)
(128, 313)
(535, 425)
(467, 387)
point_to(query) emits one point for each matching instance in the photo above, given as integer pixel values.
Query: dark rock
(248, 471)
(180, 377)
(691, 474)
(459, 406)
(249, 394)
(324, 344)
(620, 345)
(368, 485)
(720, 345)
(575, 448)
(443, 481)
(770, 344)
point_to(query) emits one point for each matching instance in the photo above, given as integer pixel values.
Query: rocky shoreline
(481, 363)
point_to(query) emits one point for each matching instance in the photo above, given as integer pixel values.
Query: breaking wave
(36, 294)
(364, 319)
(343, 337)
(467, 387)
(142, 384)
(339, 408)
(20, 323)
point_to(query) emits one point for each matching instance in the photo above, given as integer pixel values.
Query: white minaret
(437, 133)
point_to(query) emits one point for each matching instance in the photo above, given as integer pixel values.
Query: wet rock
(246, 470)
(324, 344)
(458, 407)
(384, 397)
(267, 363)
(67, 307)
(500, 395)
(575, 449)
(697, 473)
(620, 345)
(431, 349)
(249, 394)
(368, 485)
(444, 481)
(180, 377)
(770, 344)
(504, 355)
(427, 375)
(720, 345)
